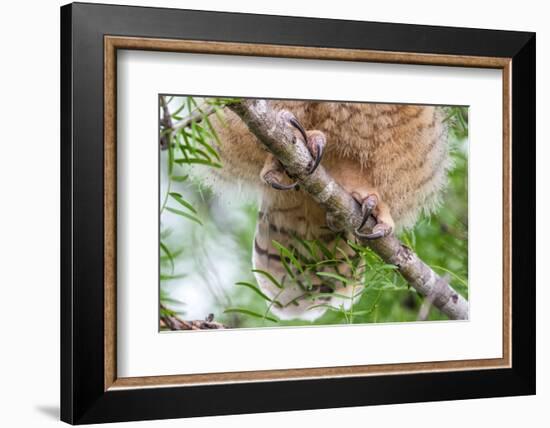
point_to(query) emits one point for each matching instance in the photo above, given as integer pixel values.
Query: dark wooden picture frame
(90, 389)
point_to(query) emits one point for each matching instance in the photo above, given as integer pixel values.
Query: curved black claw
(270, 178)
(280, 186)
(294, 122)
(316, 146)
(367, 205)
(379, 231)
(315, 143)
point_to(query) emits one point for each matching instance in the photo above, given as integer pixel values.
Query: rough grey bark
(272, 130)
(173, 322)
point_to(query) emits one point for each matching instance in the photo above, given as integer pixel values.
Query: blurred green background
(207, 234)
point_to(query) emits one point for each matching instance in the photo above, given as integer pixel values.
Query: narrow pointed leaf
(184, 214)
(250, 313)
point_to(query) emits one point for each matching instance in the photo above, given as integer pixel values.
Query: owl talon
(279, 186)
(294, 122)
(316, 143)
(371, 205)
(270, 177)
(314, 140)
(367, 206)
(379, 231)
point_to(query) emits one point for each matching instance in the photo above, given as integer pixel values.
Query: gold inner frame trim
(113, 43)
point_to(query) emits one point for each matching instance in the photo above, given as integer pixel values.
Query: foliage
(379, 292)
(457, 118)
(193, 144)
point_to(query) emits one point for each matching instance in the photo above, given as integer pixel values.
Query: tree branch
(271, 129)
(166, 122)
(197, 115)
(173, 322)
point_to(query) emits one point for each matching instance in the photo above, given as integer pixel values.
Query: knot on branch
(403, 256)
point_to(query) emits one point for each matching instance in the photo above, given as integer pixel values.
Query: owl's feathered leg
(373, 205)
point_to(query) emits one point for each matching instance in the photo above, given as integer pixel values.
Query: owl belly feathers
(399, 153)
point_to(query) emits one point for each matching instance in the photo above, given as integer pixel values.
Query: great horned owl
(392, 158)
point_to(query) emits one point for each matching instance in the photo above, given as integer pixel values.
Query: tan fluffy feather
(399, 152)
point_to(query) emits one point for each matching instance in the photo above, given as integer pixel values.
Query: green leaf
(188, 144)
(166, 251)
(189, 101)
(175, 254)
(164, 277)
(179, 198)
(193, 150)
(308, 247)
(337, 295)
(219, 115)
(332, 308)
(198, 161)
(454, 275)
(346, 258)
(181, 147)
(285, 252)
(194, 132)
(287, 268)
(258, 292)
(180, 108)
(268, 276)
(209, 149)
(386, 267)
(364, 312)
(170, 158)
(180, 178)
(184, 214)
(355, 247)
(326, 252)
(199, 138)
(250, 313)
(329, 262)
(165, 312)
(170, 300)
(336, 277)
(210, 127)
(166, 233)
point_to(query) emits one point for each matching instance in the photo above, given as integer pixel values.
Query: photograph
(272, 212)
(242, 244)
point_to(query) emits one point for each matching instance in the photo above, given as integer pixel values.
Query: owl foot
(273, 171)
(273, 174)
(379, 231)
(315, 141)
(332, 224)
(371, 205)
(367, 205)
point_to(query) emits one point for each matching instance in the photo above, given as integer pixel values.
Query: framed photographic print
(265, 213)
